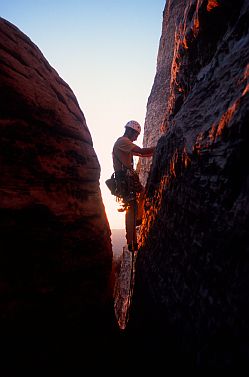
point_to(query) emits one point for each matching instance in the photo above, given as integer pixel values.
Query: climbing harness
(124, 184)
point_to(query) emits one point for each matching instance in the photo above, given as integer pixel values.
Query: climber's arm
(143, 152)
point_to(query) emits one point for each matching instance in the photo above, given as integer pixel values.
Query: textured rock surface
(158, 100)
(191, 297)
(55, 256)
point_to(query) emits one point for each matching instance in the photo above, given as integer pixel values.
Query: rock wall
(158, 100)
(191, 301)
(55, 256)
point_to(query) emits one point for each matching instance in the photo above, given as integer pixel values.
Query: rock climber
(123, 151)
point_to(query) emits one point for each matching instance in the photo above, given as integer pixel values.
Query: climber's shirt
(122, 153)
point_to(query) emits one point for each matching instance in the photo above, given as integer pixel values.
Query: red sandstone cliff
(191, 302)
(55, 246)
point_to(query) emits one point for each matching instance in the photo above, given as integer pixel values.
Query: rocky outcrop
(157, 105)
(191, 299)
(55, 256)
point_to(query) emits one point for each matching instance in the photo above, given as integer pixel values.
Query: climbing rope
(130, 290)
(124, 285)
(131, 285)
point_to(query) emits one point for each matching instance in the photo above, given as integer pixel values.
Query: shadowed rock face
(55, 256)
(192, 274)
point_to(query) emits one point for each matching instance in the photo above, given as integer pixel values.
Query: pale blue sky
(107, 52)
